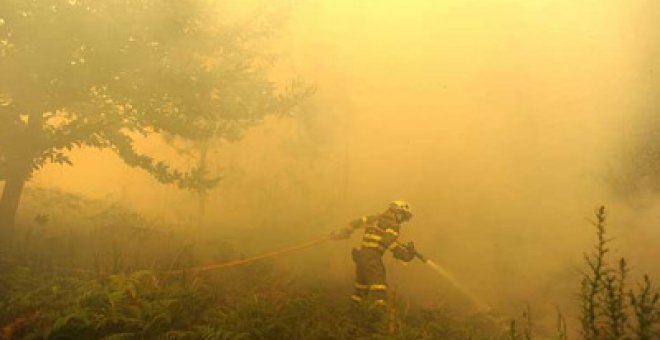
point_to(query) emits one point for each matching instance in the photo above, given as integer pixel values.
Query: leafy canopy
(100, 73)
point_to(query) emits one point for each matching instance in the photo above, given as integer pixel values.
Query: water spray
(480, 306)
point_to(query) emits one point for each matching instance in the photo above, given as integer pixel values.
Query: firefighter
(381, 233)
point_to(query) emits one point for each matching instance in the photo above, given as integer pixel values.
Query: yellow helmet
(401, 207)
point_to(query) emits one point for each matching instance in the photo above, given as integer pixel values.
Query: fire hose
(434, 266)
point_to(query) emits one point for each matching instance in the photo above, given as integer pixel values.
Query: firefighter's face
(402, 216)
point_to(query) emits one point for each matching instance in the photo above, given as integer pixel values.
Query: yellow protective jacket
(381, 232)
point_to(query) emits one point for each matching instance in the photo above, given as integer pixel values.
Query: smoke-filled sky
(501, 122)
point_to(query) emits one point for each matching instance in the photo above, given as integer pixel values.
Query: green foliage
(51, 293)
(646, 305)
(102, 74)
(614, 302)
(605, 308)
(143, 305)
(592, 282)
(443, 324)
(48, 299)
(137, 305)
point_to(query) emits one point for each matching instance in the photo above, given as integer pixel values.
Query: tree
(99, 74)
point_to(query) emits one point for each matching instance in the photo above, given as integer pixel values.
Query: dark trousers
(370, 276)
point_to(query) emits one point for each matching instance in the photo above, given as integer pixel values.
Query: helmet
(402, 208)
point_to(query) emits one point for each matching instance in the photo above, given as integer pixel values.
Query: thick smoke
(502, 122)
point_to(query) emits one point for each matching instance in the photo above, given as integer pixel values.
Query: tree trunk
(11, 196)
(203, 154)
(19, 170)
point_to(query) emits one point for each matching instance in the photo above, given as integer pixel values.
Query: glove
(411, 248)
(412, 252)
(405, 252)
